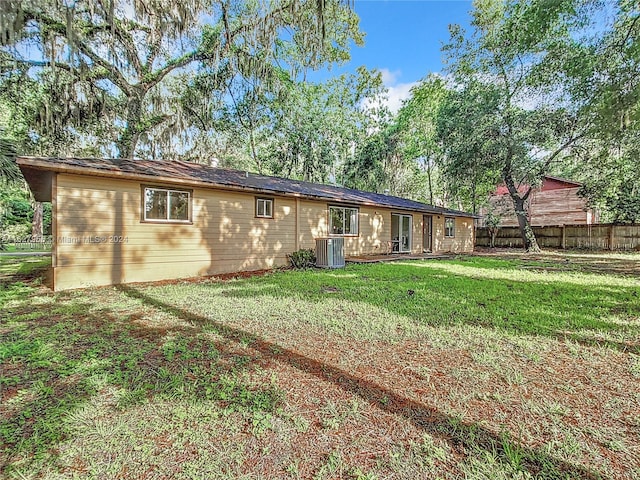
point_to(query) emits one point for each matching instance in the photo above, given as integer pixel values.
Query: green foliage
(115, 80)
(600, 74)
(9, 172)
(16, 213)
(419, 143)
(467, 127)
(309, 129)
(616, 193)
(492, 221)
(17, 210)
(303, 258)
(521, 106)
(376, 163)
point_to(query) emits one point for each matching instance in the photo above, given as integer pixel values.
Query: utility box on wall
(330, 252)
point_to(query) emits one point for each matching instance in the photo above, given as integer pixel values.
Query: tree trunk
(528, 237)
(493, 233)
(473, 197)
(36, 224)
(128, 140)
(430, 183)
(254, 153)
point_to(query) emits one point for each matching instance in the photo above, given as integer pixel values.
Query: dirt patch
(605, 262)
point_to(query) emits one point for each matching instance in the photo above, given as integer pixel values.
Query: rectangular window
(264, 207)
(167, 205)
(449, 227)
(343, 221)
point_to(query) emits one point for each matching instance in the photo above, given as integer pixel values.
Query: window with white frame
(167, 205)
(449, 227)
(343, 220)
(264, 207)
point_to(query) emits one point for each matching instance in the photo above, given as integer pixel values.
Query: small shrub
(11, 233)
(303, 258)
(492, 221)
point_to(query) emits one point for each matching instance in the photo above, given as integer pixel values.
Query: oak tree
(116, 68)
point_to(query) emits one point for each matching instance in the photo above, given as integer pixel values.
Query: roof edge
(564, 180)
(45, 164)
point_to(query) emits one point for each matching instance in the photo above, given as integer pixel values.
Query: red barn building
(555, 202)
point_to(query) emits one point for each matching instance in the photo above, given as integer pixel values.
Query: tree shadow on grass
(55, 361)
(430, 295)
(466, 437)
(31, 270)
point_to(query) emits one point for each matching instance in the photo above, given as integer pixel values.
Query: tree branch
(621, 44)
(561, 148)
(60, 29)
(526, 195)
(113, 73)
(152, 51)
(129, 44)
(153, 79)
(36, 63)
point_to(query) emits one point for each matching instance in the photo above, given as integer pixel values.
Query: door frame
(396, 237)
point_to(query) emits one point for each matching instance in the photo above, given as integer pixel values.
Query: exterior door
(427, 229)
(401, 232)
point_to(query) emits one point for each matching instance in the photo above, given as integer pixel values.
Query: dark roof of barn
(187, 173)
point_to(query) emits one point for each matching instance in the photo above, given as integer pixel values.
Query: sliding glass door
(401, 232)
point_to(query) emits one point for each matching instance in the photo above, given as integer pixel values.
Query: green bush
(303, 258)
(11, 233)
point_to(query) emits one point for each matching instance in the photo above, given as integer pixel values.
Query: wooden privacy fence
(596, 237)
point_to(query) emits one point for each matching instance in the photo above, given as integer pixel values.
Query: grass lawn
(35, 247)
(476, 367)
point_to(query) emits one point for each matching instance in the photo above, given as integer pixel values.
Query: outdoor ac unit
(330, 252)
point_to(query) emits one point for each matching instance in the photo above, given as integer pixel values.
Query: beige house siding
(101, 238)
(463, 239)
(372, 237)
(416, 234)
(313, 222)
(438, 233)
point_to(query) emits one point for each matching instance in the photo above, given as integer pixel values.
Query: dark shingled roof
(202, 175)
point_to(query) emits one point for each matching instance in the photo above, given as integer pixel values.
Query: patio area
(392, 257)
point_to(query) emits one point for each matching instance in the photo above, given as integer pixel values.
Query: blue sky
(403, 39)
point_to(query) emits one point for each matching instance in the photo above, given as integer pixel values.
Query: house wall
(559, 207)
(463, 239)
(554, 206)
(101, 240)
(374, 226)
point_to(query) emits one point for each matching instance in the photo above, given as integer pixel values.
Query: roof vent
(246, 174)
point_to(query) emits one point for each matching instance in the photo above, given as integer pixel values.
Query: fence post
(611, 237)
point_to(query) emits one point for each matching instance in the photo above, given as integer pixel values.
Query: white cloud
(399, 93)
(396, 92)
(389, 77)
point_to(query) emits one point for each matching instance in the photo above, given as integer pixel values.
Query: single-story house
(554, 202)
(117, 220)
